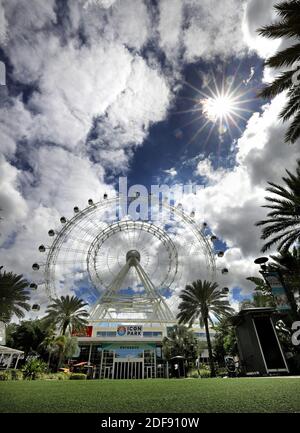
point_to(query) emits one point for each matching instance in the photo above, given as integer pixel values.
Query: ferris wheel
(126, 267)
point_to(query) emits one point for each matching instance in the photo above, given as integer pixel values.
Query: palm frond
(293, 132)
(281, 83)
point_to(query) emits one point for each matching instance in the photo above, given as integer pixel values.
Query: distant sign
(278, 291)
(87, 331)
(2, 334)
(129, 331)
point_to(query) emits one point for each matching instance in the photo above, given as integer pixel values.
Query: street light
(262, 262)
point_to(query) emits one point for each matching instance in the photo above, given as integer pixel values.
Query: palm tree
(199, 301)
(288, 27)
(66, 313)
(262, 296)
(180, 341)
(48, 344)
(287, 264)
(64, 347)
(13, 296)
(283, 221)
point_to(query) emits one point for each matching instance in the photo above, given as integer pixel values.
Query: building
(127, 350)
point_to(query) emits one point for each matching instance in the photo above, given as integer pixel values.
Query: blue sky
(97, 89)
(170, 143)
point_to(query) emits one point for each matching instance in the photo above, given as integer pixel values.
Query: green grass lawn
(160, 395)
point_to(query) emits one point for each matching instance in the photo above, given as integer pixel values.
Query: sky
(98, 89)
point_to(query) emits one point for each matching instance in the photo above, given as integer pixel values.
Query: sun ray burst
(220, 105)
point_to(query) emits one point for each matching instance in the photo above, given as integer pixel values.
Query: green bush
(34, 369)
(16, 374)
(53, 376)
(221, 372)
(78, 376)
(204, 373)
(5, 375)
(63, 376)
(193, 373)
(11, 374)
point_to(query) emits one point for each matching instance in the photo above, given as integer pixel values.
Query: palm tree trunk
(64, 328)
(60, 358)
(210, 354)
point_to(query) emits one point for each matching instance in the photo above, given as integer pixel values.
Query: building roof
(9, 351)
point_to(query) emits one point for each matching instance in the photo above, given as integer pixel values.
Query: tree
(287, 26)
(48, 345)
(66, 313)
(64, 347)
(13, 296)
(282, 225)
(201, 301)
(28, 336)
(288, 262)
(262, 296)
(180, 342)
(225, 342)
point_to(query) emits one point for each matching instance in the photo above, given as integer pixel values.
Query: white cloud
(3, 24)
(144, 101)
(258, 14)
(205, 169)
(63, 180)
(13, 206)
(170, 27)
(213, 30)
(171, 172)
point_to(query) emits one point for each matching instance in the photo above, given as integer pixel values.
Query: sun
(222, 106)
(218, 108)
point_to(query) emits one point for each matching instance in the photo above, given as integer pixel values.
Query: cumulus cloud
(201, 30)
(258, 14)
(13, 206)
(169, 27)
(3, 24)
(213, 30)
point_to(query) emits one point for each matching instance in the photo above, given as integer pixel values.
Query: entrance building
(127, 350)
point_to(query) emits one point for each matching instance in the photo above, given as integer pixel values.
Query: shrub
(16, 374)
(11, 374)
(34, 369)
(193, 373)
(53, 376)
(78, 376)
(63, 376)
(221, 372)
(5, 375)
(204, 373)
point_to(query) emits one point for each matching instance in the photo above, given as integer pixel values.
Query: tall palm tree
(287, 26)
(200, 301)
(66, 313)
(283, 222)
(13, 296)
